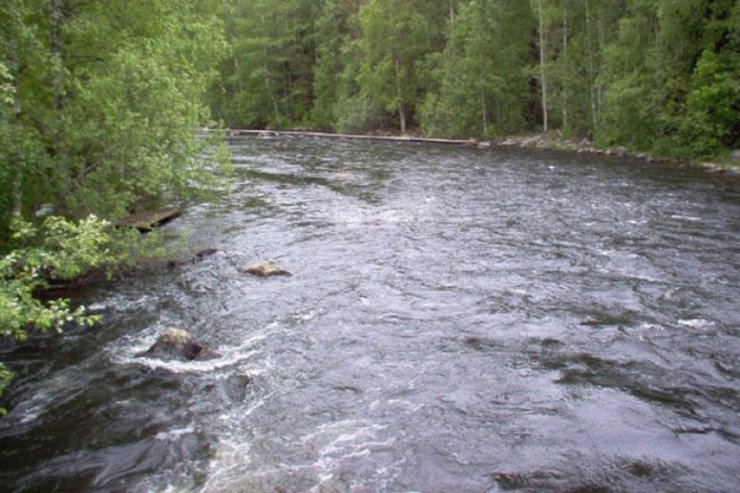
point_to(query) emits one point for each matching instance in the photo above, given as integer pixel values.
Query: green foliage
(330, 29)
(267, 79)
(58, 249)
(394, 36)
(109, 120)
(671, 76)
(483, 89)
(353, 110)
(712, 115)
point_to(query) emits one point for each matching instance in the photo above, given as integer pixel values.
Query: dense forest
(101, 101)
(654, 75)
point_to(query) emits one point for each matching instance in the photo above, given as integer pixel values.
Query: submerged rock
(264, 269)
(198, 256)
(179, 344)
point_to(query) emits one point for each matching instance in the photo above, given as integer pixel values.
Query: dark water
(458, 320)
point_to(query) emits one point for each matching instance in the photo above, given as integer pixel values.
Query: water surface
(458, 320)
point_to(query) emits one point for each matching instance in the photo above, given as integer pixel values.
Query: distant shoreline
(532, 141)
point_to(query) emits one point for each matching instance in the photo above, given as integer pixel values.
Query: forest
(101, 101)
(658, 76)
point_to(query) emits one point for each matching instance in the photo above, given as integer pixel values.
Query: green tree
(484, 89)
(108, 101)
(671, 75)
(394, 37)
(332, 33)
(633, 103)
(712, 113)
(268, 79)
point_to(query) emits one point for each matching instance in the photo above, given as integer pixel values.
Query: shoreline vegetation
(547, 142)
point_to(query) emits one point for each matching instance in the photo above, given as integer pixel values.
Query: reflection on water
(458, 319)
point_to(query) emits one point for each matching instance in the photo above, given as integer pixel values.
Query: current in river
(458, 319)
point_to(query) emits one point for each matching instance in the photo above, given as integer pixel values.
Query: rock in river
(179, 344)
(264, 269)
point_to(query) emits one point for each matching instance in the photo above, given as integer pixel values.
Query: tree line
(655, 75)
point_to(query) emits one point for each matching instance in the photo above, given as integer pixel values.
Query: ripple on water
(458, 320)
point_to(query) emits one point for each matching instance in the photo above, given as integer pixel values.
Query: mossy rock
(179, 344)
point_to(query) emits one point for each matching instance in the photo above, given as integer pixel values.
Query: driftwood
(148, 220)
(391, 138)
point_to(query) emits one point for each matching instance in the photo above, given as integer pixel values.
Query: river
(458, 319)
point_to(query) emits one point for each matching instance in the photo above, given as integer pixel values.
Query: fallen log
(149, 219)
(391, 138)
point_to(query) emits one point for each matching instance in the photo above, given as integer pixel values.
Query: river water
(458, 319)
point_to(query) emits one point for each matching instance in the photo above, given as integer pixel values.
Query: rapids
(458, 319)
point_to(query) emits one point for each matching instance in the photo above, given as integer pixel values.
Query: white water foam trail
(335, 444)
(230, 356)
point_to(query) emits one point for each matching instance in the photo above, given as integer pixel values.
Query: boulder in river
(264, 269)
(179, 344)
(198, 256)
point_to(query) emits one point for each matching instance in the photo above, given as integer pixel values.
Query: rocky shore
(555, 142)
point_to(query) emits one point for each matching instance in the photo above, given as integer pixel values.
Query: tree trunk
(17, 156)
(591, 70)
(268, 82)
(56, 15)
(484, 111)
(56, 50)
(239, 84)
(543, 74)
(565, 61)
(399, 92)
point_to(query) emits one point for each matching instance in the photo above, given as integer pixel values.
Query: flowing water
(458, 320)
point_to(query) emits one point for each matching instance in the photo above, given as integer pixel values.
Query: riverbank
(535, 141)
(585, 146)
